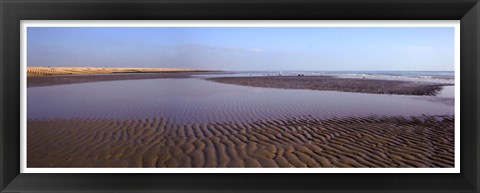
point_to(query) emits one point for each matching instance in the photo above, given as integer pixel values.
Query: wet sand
(426, 141)
(375, 86)
(37, 81)
(290, 140)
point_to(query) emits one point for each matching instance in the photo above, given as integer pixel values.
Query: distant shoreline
(374, 86)
(50, 71)
(49, 80)
(326, 83)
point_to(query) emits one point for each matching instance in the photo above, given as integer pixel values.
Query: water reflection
(189, 100)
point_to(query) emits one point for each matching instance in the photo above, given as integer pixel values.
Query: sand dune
(297, 142)
(45, 71)
(376, 86)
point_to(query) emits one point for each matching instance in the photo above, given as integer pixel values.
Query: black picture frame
(12, 11)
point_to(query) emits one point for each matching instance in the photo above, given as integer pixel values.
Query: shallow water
(447, 92)
(195, 100)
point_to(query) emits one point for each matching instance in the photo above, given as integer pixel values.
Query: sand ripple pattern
(426, 141)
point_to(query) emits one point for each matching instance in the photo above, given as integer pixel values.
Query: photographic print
(243, 97)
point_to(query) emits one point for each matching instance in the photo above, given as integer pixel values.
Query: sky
(245, 48)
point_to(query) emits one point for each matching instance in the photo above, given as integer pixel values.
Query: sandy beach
(48, 71)
(349, 142)
(36, 81)
(240, 95)
(207, 123)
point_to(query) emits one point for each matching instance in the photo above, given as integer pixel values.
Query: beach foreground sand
(298, 142)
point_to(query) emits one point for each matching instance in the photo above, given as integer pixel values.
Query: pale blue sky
(269, 48)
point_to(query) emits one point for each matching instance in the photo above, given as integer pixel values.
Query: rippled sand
(298, 142)
(198, 123)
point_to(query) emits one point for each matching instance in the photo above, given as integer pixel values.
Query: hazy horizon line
(276, 70)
